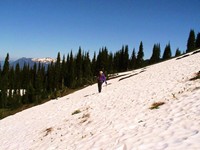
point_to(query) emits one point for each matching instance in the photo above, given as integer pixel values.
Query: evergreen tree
(50, 78)
(26, 79)
(5, 82)
(67, 81)
(6, 65)
(105, 59)
(30, 92)
(102, 60)
(78, 68)
(17, 86)
(126, 58)
(34, 82)
(155, 58)
(167, 52)
(58, 80)
(117, 61)
(121, 59)
(11, 101)
(110, 62)
(140, 55)
(178, 52)
(71, 66)
(87, 72)
(191, 42)
(198, 41)
(94, 61)
(99, 62)
(64, 72)
(39, 84)
(133, 60)
(17, 78)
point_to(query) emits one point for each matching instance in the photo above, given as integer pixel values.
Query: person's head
(100, 72)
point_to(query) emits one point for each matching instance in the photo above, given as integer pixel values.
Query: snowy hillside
(120, 117)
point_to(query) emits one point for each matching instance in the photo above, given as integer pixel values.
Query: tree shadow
(197, 76)
(182, 57)
(132, 75)
(196, 52)
(117, 76)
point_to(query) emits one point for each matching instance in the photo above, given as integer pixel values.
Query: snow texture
(119, 118)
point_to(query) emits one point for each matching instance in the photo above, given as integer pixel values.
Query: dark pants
(99, 86)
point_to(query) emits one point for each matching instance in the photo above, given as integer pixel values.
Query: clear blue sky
(42, 28)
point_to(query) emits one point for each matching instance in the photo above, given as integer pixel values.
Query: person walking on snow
(101, 79)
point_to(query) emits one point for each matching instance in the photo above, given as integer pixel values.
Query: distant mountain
(32, 61)
(47, 60)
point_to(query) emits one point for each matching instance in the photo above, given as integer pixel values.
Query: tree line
(33, 85)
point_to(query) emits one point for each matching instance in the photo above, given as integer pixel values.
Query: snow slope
(119, 118)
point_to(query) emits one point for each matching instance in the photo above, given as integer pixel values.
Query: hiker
(101, 79)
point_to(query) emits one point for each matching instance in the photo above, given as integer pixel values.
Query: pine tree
(9, 88)
(126, 58)
(6, 65)
(50, 78)
(191, 42)
(117, 61)
(167, 52)
(87, 72)
(102, 60)
(78, 68)
(178, 52)
(140, 55)
(17, 78)
(34, 81)
(5, 82)
(198, 41)
(64, 72)
(133, 60)
(110, 62)
(94, 61)
(39, 86)
(155, 58)
(58, 80)
(99, 65)
(67, 80)
(71, 66)
(13, 97)
(26, 79)
(121, 59)
(30, 92)
(105, 62)
(17, 86)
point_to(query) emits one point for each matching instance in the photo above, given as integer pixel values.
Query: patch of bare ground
(156, 105)
(48, 131)
(197, 76)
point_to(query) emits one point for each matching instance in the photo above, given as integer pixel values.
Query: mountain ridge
(31, 61)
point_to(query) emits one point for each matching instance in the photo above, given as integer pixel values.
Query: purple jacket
(102, 78)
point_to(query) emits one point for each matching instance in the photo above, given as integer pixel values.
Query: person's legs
(99, 86)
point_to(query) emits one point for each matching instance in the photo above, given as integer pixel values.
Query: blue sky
(42, 28)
